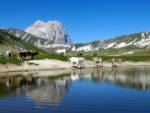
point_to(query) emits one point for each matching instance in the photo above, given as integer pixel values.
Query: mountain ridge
(137, 40)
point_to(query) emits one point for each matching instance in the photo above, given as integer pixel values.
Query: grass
(124, 58)
(105, 58)
(52, 56)
(5, 60)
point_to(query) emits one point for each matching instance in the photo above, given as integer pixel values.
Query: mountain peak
(55, 21)
(39, 22)
(52, 30)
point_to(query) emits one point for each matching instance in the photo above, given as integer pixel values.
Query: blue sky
(85, 20)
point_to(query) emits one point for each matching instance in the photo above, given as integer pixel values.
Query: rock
(52, 30)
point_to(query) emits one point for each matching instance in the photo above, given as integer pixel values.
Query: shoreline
(37, 65)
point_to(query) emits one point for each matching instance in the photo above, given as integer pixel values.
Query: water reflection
(47, 90)
(135, 78)
(52, 89)
(39, 89)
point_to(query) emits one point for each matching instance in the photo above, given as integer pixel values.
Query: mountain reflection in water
(39, 89)
(135, 78)
(52, 89)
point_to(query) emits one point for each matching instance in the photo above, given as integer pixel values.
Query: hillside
(126, 44)
(11, 42)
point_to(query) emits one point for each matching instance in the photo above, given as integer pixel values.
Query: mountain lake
(96, 90)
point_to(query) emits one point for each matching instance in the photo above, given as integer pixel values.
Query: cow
(116, 62)
(80, 54)
(98, 61)
(12, 54)
(61, 51)
(95, 54)
(77, 62)
(8, 54)
(26, 54)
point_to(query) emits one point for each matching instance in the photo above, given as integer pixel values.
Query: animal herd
(77, 62)
(21, 54)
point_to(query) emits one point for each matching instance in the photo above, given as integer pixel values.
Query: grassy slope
(11, 42)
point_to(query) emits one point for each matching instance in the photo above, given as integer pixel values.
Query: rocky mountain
(11, 42)
(37, 41)
(52, 30)
(133, 42)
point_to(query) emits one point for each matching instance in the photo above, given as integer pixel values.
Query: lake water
(107, 90)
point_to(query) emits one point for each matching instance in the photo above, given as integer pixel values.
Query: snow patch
(123, 44)
(144, 42)
(85, 48)
(109, 46)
